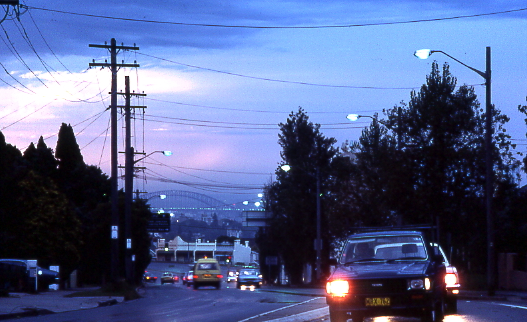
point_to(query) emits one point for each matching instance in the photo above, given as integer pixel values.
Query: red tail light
(220, 276)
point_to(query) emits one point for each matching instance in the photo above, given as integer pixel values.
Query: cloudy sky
(220, 75)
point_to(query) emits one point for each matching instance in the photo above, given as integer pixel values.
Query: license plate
(378, 301)
(207, 275)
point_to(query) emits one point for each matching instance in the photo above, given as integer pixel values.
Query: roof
(387, 233)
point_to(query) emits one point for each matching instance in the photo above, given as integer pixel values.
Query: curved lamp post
(424, 54)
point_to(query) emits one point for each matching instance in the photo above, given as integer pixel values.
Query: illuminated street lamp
(355, 117)
(128, 196)
(318, 241)
(425, 53)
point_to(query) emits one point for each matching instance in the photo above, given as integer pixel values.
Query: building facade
(178, 250)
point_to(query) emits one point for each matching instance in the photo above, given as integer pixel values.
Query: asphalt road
(168, 302)
(179, 303)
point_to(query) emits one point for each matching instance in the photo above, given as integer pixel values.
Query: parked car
(207, 273)
(387, 273)
(168, 277)
(149, 277)
(249, 277)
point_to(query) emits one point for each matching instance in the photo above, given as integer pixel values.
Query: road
(164, 303)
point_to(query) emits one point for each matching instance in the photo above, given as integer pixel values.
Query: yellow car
(207, 273)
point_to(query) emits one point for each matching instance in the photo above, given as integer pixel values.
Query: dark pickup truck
(387, 273)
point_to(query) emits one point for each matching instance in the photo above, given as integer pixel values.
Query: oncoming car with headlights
(387, 273)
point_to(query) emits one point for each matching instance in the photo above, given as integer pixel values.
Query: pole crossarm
(118, 65)
(106, 46)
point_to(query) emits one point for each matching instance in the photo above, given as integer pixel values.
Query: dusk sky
(221, 75)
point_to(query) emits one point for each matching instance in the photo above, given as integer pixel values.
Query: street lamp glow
(245, 203)
(257, 204)
(423, 53)
(167, 153)
(353, 117)
(286, 167)
(260, 195)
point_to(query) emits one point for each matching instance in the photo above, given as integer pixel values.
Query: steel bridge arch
(207, 201)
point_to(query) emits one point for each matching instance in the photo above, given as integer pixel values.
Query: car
(249, 277)
(168, 277)
(451, 281)
(207, 273)
(232, 275)
(387, 273)
(149, 277)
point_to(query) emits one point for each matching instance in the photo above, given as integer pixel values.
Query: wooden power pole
(114, 67)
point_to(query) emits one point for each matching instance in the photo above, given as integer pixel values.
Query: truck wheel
(451, 305)
(339, 316)
(195, 286)
(435, 314)
(218, 286)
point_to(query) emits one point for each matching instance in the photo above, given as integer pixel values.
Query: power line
(277, 80)
(250, 111)
(282, 27)
(219, 171)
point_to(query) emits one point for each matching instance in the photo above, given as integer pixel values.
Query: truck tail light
(338, 288)
(450, 279)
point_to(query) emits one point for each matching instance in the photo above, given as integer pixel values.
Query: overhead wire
(278, 80)
(282, 27)
(10, 45)
(232, 125)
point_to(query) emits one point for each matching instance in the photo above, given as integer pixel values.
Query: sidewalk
(24, 304)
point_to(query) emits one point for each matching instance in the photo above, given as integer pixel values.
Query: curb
(28, 312)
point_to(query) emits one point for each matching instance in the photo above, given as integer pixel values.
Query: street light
(355, 117)
(425, 53)
(128, 196)
(318, 241)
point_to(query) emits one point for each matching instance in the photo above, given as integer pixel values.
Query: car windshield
(207, 266)
(249, 272)
(384, 248)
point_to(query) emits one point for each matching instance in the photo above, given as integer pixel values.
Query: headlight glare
(428, 284)
(337, 288)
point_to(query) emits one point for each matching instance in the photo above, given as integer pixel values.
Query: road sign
(159, 223)
(115, 230)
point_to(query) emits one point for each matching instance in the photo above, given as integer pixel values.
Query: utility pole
(113, 179)
(128, 179)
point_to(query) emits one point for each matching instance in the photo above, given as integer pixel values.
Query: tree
(292, 197)
(41, 159)
(425, 163)
(46, 226)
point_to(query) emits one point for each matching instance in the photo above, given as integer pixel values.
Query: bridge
(179, 200)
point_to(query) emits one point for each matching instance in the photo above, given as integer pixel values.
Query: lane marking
(282, 308)
(510, 305)
(304, 316)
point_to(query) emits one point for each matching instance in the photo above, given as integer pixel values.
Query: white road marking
(282, 308)
(305, 316)
(510, 305)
